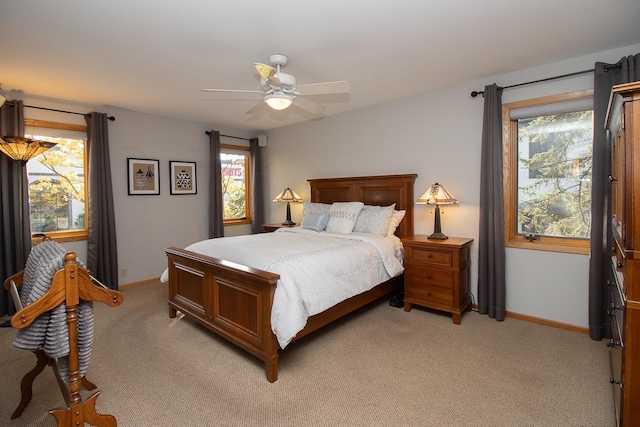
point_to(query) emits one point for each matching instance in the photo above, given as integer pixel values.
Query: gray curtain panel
(102, 248)
(257, 206)
(491, 256)
(605, 76)
(216, 206)
(15, 246)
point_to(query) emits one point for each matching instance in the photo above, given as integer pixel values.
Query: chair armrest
(16, 278)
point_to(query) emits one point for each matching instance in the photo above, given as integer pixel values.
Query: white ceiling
(154, 56)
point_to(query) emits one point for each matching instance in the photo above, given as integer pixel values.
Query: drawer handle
(619, 265)
(612, 343)
(613, 249)
(429, 293)
(428, 276)
(612, 178)
(429, 255)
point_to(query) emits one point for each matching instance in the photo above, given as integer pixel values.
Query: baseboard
(140, 283)
(541, 321)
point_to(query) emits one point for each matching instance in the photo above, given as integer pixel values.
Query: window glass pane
(554, 174)
(234, 185)
(57, 186)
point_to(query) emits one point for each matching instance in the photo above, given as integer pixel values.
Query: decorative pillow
(374, 219)
(394, 222)
(343, 217)
(315, 221)
(309, 208)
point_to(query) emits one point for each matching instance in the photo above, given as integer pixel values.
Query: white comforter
(317, 270)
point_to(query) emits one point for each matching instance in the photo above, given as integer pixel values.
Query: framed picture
(143, 176)
(183, 177)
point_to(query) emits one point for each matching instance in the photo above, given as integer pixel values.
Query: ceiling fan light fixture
(278, 101)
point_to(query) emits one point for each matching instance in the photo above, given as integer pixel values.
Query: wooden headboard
(381, 190)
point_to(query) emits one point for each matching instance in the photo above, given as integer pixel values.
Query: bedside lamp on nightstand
(437, 195)
(288, 195)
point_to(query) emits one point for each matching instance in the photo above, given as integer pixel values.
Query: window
(547, 169)
(57, 181)
(236, 165)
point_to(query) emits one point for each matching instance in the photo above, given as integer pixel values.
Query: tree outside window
(57, 181)
(547, 172)
(554, 178)
(235, 173)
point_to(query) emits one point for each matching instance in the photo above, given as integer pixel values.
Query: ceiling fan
(280, 89)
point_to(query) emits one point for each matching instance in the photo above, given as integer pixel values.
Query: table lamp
(437, 195)
(288, 195)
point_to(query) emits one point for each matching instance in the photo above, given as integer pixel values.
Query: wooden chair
(69, 286)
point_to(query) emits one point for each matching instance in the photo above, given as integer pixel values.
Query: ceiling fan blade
(232, 90)
(268, 74)
(310, 106)
(324, 88)
(259, 106)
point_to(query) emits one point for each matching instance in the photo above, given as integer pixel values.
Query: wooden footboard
(234, 301)
(230, 299)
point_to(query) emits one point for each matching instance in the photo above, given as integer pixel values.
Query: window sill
(232, 222)
(60, 237)
(549, 244)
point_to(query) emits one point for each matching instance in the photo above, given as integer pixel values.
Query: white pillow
(315, 221)
(343, 216)
(374, 219)
(394, 222)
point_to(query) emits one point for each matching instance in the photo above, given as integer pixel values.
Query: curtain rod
(229, 136)
(63, 111)
(476, 93)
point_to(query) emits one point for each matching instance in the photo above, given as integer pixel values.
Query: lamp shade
(23, 149)
(287, 195)
(278, 101)
(436, 195)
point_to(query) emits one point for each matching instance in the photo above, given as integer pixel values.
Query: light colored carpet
(378, 367)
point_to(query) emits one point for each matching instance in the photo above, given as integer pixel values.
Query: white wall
(147, 224)
(438, 136)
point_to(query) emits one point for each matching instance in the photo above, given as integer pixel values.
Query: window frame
(66, 235)
(512, 238)
(248, 193)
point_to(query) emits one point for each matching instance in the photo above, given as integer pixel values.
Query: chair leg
(84, 382)
(26, 385)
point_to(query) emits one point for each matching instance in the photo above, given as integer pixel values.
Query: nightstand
(270, 228)
(437, 274)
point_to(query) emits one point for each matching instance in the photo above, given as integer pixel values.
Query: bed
(235, 300)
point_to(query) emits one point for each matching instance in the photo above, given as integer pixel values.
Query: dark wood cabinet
(436, 274)
(623, 128)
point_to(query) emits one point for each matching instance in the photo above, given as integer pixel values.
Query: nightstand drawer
(424, 276)
(429, 256)
(429, 294)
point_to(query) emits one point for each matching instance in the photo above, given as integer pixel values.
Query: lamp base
(288, 222)
(438, 236)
